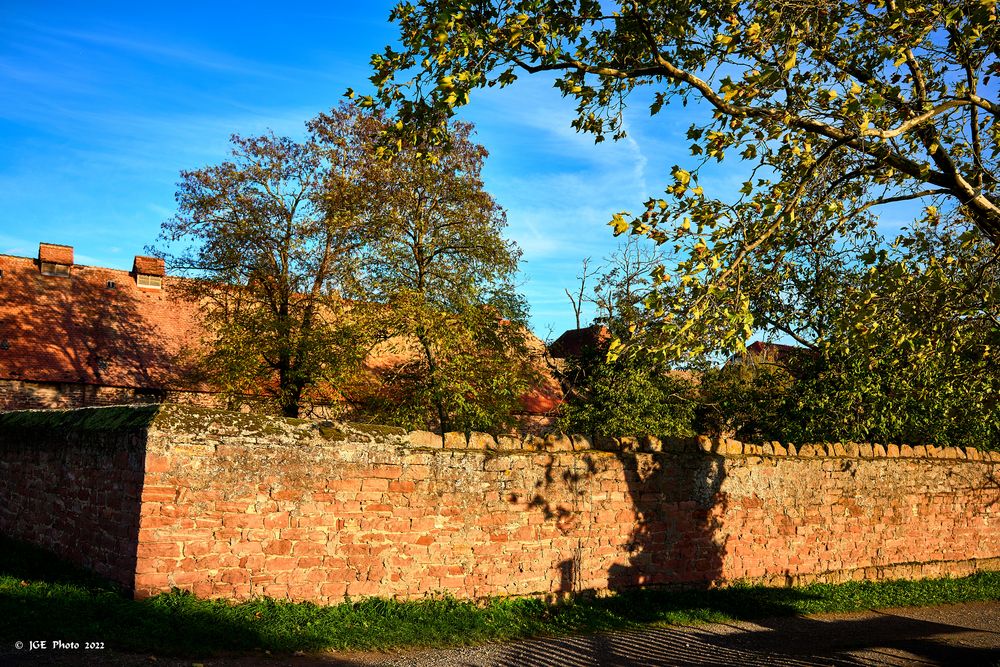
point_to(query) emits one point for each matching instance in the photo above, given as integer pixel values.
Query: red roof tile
(575, 342)
(150, 266)
(78, 329)
(55, 253)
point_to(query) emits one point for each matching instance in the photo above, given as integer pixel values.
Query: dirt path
(966, 635)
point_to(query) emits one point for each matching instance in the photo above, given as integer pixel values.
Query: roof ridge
(81, 266)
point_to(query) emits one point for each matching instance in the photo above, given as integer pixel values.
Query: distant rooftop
(66, 323)
(576, 342)
(63, 322)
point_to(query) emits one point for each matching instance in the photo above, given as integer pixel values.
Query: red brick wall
(269, 507)
(71, 482)
(237, 505)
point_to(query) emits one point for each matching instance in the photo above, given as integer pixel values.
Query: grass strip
(42, 597)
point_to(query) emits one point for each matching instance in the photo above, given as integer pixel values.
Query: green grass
(41, 596)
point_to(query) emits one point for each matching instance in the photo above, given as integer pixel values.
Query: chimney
(55, 259)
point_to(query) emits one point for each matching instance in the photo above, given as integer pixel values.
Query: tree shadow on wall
(678, 504)
(669, 528)
(94, 328)
(983, 483)
(667, 542)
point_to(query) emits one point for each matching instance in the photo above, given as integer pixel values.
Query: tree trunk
(290, 400)
(432, 378)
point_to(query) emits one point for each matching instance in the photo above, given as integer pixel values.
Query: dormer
(148, 272)
(55, 259)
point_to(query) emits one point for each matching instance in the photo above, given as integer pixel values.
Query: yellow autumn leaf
(618, 224)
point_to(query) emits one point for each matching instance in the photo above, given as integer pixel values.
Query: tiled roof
(575, 342)
(543, 400)
(150, 266)
(55, 253)
(82, 329)
(773, 351)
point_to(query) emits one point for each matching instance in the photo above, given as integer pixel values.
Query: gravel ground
(966, 635)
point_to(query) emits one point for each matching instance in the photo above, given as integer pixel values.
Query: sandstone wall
(237, 505)
(72, 481)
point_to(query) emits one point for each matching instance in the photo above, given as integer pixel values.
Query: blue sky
(105, 103)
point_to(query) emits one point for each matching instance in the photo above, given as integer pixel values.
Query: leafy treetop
(839, 107)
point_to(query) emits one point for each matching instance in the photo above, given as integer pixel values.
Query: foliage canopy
(443, 271)
(840, 107)
(625, 397)
(898, 347)
(272, 235)
(309, 254)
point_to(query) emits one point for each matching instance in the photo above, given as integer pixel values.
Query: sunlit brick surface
(238, 506)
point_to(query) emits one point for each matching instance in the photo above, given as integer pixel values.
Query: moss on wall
(184, 418)
(116, 419)
(196, 419)
(377, 430)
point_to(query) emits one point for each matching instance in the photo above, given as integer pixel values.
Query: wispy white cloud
(559, 187)
(102, 113)
(114, 37)
(17, 245)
